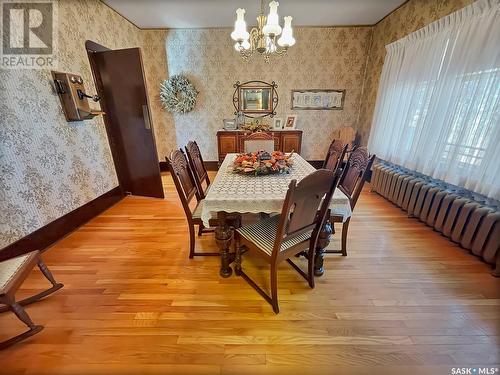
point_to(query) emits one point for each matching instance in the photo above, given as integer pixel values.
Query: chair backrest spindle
(306, 205)
(355, 174)
(335, 155)
(197, 166)
(183, 179)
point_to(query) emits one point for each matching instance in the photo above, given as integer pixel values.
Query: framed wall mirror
(255, 98)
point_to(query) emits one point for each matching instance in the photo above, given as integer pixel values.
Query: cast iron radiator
(466, 218)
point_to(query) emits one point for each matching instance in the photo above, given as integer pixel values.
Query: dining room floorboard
(404, 301)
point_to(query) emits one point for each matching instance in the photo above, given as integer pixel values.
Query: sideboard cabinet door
(227, 144)
(277, 141)
(291, 141)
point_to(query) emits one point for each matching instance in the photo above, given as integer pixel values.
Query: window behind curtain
(438, 106)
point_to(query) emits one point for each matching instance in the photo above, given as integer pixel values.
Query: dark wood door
(120, 82)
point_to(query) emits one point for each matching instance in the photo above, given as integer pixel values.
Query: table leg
(323, 242)
(223, 236)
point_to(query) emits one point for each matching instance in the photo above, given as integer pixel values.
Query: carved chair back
(258, 141)
(183, 179)
(335, 155)
(355, 173)
(198, 168)
(305, 207)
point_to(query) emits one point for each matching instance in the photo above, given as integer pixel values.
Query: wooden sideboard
(232, 141)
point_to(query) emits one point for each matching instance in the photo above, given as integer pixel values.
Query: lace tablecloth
(231, 192)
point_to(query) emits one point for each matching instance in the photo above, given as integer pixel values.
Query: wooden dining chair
(351, 183)
(295, 230)
(186, 188)
(198, 167)
(258, 141)
(13, 272)
(335, 155)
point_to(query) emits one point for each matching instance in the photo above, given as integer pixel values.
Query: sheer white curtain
(438, 104)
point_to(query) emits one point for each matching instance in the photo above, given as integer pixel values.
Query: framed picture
(230, 124)
(318, 99)
(278, 124)
(291, 122)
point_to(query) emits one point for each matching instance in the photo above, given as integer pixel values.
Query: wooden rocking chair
(13, 272)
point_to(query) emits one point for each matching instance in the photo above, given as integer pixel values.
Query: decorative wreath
(177, 94)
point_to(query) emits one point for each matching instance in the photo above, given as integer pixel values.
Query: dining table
(232, 192)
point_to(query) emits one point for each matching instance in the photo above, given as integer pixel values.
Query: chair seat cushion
(10, 267)
(263, 235)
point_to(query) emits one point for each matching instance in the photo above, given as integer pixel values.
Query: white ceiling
(221, 13)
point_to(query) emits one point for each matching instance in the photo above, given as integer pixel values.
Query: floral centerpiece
(263, 163)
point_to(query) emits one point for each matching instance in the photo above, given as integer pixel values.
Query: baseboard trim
(214, 165)
(316, 163)
(211, 165)
(59, 228)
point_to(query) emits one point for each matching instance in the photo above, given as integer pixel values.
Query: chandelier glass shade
(267, 38)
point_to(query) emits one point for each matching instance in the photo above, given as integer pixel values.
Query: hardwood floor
(404, 301)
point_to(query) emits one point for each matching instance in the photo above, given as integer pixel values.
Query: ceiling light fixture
(263, 38)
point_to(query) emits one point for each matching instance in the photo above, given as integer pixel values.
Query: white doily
(231, 192)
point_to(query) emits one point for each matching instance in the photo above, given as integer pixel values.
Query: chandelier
(263, 38)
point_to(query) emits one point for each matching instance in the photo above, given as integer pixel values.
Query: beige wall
(412, 16)
(328, 58)
(49, 167)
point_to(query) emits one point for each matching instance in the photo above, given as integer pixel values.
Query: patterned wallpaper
(49, 167)
(412, 16)
(329, 58)
(155, 68)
